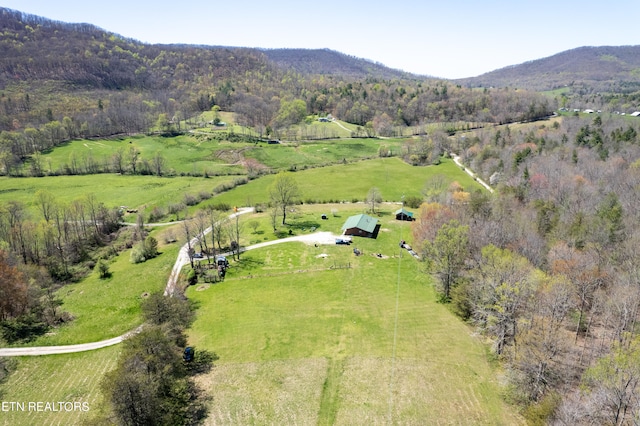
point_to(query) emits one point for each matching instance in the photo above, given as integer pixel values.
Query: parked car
(189, 354)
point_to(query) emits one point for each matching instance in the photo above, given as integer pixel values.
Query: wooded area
(548, 267)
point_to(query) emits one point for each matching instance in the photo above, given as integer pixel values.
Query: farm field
(348, 182)
(110, 189)
(304, 340)
(182, 154)
(301, 338)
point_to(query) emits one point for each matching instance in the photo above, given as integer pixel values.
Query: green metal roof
(361, 221)
(406, 212)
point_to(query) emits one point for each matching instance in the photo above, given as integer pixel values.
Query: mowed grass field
(302, 339)
(73, 378)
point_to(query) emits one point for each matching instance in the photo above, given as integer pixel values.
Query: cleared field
(347, 182)
(302, 340)
(113, 190)
(72, 378)
(182, 154)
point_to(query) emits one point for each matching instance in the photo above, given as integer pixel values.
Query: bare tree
(374, 197)
(134, 154)
(187, 232)
(158, 164)
(284, 192)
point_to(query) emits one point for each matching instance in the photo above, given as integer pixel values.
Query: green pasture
(305, 334)
(352, 181)
(310, 154)
(308, 335)
(182, 154)
(111, 189)
(199, 153)
(73, 378)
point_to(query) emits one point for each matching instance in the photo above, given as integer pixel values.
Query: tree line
(153, 383)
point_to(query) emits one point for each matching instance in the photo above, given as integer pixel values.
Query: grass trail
(330, 400)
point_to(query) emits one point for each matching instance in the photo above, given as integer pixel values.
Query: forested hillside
(586, 70)
(548, 267)
(325, 61)
(60, 81)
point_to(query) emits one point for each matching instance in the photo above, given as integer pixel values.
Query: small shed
(403, 214)
(361, 225)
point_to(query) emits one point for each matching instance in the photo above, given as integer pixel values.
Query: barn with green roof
(403, 214)
(361, 225)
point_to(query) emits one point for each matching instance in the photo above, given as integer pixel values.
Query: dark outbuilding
(403, 214)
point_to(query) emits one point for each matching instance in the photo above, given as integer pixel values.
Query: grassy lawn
(303, 341)
(58, 378)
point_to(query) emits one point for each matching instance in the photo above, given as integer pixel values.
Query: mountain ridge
(604, 68)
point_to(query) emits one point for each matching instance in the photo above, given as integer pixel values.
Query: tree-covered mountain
(330, 62)
(60, 81)
(614, 69)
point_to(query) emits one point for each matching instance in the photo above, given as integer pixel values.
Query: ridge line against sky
(456, 39)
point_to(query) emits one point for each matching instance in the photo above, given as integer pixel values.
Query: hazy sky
(450, 39)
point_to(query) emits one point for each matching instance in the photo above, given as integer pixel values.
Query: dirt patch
(202, 287)
(379, 255)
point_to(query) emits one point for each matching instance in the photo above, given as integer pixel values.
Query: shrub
(137, 254)
(204, 195)
(190, 200)
(156, 214)
(413, 201)
(103, 269)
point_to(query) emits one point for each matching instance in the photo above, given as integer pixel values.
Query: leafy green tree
(291, 112)
(150, 385)
(284, 192)
(611, 213)
(446, 255)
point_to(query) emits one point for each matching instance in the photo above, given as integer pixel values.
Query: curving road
(182, 260)
(66, 349)
(456, 159)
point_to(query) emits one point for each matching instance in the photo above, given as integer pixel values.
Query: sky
(448, 39)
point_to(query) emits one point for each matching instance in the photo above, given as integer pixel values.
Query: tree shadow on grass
(303, 225)
(248, 263)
